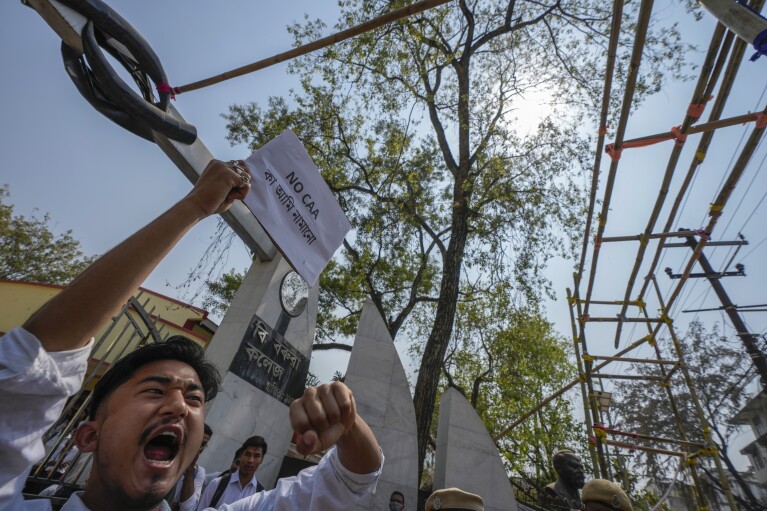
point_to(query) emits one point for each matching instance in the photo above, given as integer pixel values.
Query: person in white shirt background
(240, 483)
(146, 423)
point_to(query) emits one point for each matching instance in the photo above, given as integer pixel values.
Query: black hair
(397, 492)
(254, 441)
(207, 430)
(237, 454)
(176, 347)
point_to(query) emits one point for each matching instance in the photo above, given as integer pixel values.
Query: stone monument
(262, 349)
(381, 391)
(467, 457)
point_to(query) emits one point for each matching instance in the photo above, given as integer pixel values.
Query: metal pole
(748, 339)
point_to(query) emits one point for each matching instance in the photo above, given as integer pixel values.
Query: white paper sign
(293, 203)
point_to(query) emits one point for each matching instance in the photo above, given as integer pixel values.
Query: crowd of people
(145, 427)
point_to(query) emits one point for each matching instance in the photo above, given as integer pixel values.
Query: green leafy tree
(417, 129)
(721, 373)
(33, 252)
(220, 293)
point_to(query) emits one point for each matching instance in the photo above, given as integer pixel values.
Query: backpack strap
(220, 489)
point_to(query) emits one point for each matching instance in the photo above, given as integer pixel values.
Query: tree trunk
(436, 345)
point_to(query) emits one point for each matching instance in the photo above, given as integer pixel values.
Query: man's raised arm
(71, 318)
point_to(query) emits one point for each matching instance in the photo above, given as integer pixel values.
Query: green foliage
(33, 252)
(220, 293)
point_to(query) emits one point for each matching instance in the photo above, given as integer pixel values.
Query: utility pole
(748, 339)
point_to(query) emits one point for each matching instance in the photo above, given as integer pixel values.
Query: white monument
(467, 457)
(376, 377)
(262, 349)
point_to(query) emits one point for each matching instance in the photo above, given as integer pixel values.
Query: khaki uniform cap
(453, 498)
(606, 492)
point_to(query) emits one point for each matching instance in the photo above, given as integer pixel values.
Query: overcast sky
(62, 157)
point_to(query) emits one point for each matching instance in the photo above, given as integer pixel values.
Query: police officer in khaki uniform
(454, 499)
(604, 495)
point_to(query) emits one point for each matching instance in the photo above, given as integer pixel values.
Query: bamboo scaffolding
(592, 402)
(722, 96)
(645, 10)
(315, 45)
(697, 483)
(584, 393)
(698, 97)
(626, 301)
(694, 394)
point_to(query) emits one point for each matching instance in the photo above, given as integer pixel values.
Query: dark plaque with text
(270, 363)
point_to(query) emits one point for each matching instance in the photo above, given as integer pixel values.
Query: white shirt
(191, 502)
(232, 493)
(34, 385)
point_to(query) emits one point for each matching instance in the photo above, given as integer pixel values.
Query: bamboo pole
(635, 360)
(626, 445)
(643, 21)
(701, 128)
(654, 438)
(612, 51)
(626, 377)
(609, 302)
(698, 97)
(696, 402)
(641, 237)
(315, 45)
(619, 319)
(584, 395)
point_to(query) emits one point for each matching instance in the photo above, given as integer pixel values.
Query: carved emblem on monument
(294, 293)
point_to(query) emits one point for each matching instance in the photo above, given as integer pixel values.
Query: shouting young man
(146, 420)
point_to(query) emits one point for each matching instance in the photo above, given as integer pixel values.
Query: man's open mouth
(164, 445)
